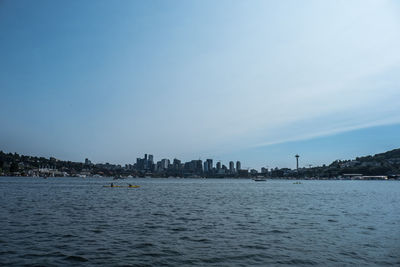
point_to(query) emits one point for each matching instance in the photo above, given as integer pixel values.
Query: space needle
(297, 162)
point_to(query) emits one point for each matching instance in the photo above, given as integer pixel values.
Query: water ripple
(185, 222)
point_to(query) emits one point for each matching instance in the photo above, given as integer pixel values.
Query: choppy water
(178, 222)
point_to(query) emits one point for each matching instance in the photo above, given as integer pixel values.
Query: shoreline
(206, 178)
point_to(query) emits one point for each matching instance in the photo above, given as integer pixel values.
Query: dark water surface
(182, 222)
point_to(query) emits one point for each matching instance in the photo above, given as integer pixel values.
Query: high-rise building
(194, 167)
(176, 165)
(205, 168)
(231, 167)
(199, 166)
(238, 166)
(221, 169)
(158, 167)
(139, 164)
(164, 163)
(209, 164)
(219, 165)
(145, 164)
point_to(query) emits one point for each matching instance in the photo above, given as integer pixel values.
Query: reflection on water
(176, 222)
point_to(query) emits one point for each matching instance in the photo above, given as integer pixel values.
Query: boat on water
(259, 179)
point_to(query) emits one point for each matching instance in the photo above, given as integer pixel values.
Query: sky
(255, 81)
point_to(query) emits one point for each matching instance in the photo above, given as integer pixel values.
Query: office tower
(176, 165)
(205, 166)
(210, 164)
(198, 166)
(218, 166)
(164, 163)
(238, 166)
(231, 167)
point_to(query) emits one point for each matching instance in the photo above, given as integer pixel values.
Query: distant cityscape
(193, 168)
(380, 166)
(16, 165)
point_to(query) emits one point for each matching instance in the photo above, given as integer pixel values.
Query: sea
(198, 222)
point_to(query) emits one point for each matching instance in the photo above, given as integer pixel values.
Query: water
(184, 222)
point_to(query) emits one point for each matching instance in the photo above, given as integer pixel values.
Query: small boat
(259, 179)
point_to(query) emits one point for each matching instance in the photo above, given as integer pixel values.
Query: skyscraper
(231, 167)
(209, 164)
(238, 166)
(176, 165)
(205, 168)
(218, 165)
(199, 166)
(164, 164)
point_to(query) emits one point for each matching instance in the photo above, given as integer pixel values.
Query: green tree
(14, 167)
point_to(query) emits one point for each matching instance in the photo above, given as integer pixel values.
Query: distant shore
(362, 178)
(383, 166)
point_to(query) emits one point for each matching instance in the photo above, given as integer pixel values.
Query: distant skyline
(255, 81)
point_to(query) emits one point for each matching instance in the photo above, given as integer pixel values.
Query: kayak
(125, 186)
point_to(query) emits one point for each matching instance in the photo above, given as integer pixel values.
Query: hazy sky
(256, 81)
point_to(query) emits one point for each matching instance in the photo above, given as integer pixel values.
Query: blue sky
(255, 81)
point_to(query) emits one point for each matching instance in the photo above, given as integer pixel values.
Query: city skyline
(254, 81)
(381, 166)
